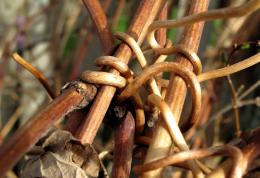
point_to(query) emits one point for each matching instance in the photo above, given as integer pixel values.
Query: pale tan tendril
(183, 72)
(103, 78)
(222, 72)
(140, 57)
(170, 121)
(106, 78)
(228, 150)
(139, 112)
(115, 63)
(225, 71)
(162, 58)
(223, 13)
(173, 128)
(189, 54)
(35, 72)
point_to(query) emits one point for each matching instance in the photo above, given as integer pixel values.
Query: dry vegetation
(130, 117)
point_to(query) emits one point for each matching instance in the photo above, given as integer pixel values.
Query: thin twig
(81, 52)
(10, 123)
(250, 152)
(253, 60)
(137, 29)
(228, 107)
(249, 90)
(174, 129)
(223, 13)
(76, 96)
(35, 72)
(234, 105)
(232, 151)
(99, 18)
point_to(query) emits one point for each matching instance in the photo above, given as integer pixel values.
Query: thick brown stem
(74, 97)
(176, 91)
(124, 140)
(99, 18)
(76, 117)
(146, 13)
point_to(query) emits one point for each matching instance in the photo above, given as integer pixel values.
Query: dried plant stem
(234, 104)
(10, 123)
(249, 90)
(176, 92)
(229, 107)
(234, 152)
(213, 74)
(145, 14)
(124, 141)
(229, 12)
(250, 152)
(161, 37)
(36, 73)
(74, 97)
(99, 18)
(153, 70)
(141, 58)
(173, 127)
(81, 52)
(76, 117)
(207, 101)
(230, 69)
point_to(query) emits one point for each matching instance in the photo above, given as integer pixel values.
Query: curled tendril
(173, 128)
(115, 63)
(223, 13)
(228, 150)
(105, 78)
(140, 57)
(35, 72)
(221, 72)
(225, 71)
(185, 73)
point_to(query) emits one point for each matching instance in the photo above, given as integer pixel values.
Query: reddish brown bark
(146, 13)
(124, 141)
(28, 135)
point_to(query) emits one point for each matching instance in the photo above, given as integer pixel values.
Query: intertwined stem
(144, 16)
(176, 91)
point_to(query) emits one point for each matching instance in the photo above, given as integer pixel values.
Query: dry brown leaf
(60, 155)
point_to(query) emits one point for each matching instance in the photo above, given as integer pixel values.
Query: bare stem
(176, 92)
(99, 18)
(76, 96)
(36, 73)
(124, 140)
(234, 104)
(145, 14)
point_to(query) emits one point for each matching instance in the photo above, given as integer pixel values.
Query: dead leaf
(62, 156)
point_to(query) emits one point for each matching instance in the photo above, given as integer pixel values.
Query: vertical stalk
(100, 20)
(124, 141)
(176, 91)
(144, 16)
